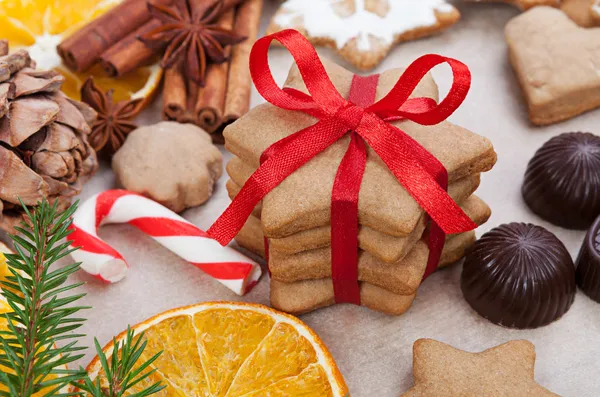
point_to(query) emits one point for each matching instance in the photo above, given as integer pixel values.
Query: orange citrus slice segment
(225, 349)
(4, 272)
(40, 25)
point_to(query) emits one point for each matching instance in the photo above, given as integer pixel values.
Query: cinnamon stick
(179, 96)
(175, 94)
(129, 53)
(83, 48)
(211, 98)
(239, 86)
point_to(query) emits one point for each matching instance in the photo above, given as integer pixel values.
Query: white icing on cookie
(320, 19)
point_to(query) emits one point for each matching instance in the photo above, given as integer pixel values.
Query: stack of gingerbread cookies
(295, 216)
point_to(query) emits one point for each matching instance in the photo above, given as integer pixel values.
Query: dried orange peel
(229, 349)
(40, 25)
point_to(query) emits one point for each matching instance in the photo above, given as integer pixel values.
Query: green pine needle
(43, 312)
(121, 369)
(39, 313)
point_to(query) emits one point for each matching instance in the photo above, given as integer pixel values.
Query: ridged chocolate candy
(588, 263)
(562, 182)
(520, 276)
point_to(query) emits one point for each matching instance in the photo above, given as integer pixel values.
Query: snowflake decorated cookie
(364, 31)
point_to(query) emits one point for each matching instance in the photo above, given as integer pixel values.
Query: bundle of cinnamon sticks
(226, 94)
(112, 41)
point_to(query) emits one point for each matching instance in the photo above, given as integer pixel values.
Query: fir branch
(42, 315)
(39, 316)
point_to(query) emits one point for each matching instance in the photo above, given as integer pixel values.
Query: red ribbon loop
(417, 170)
(397, 98)
(323, 95)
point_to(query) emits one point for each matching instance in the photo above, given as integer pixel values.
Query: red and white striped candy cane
(225, 264)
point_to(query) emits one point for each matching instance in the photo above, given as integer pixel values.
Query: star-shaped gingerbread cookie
(502, 371)
(364, 31)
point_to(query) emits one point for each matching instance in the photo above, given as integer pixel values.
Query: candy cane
(226, 265)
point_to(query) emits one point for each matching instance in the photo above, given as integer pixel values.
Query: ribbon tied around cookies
(417, 170)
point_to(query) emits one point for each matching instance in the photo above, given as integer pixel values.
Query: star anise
(189, 34)
(114, 121)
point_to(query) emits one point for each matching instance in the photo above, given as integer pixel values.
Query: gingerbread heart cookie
(363, 32)
(556, 62)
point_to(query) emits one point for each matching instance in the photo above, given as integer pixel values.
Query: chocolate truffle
(520, 276)
(588, 263)
(562, 182)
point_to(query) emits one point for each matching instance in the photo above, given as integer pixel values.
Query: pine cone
(44, 149)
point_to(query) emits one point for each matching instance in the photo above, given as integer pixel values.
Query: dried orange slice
(40, 25)
(4, 272)
(226, 349)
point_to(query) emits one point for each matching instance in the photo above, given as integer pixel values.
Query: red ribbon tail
(418, 172)
(437, 240)
(344, 222)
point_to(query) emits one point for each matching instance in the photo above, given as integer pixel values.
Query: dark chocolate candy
(520, 276)
(562, 182)
(588, 263)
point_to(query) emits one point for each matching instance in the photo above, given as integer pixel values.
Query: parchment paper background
(374, 351)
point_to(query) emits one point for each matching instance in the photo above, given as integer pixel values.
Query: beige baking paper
(374, 351)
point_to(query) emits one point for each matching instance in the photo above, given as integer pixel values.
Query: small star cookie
(364, 31)
(502, 371)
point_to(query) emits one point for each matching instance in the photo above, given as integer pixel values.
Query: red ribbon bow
(417, 170)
